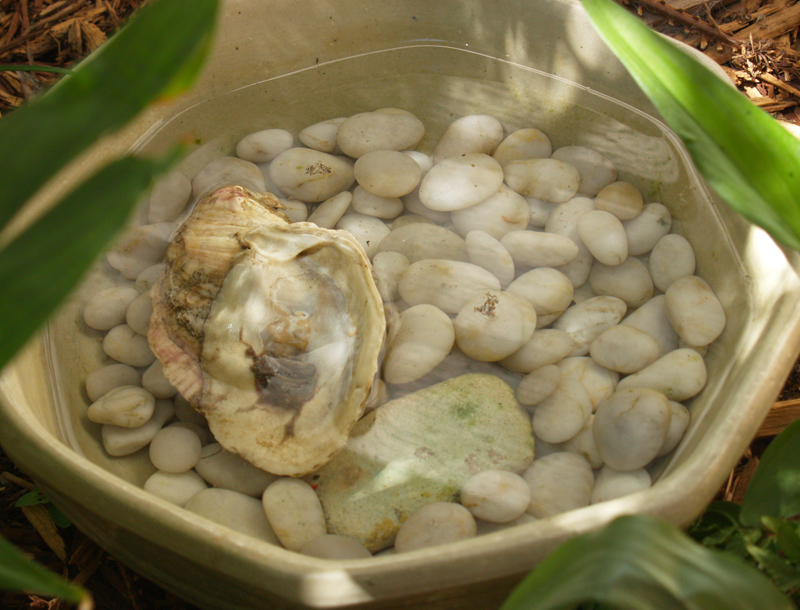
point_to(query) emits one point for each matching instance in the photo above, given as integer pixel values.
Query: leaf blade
(640, 563)
(19, 572)
(41, 265)
(98, 98)
(744, 154)
(774, 490)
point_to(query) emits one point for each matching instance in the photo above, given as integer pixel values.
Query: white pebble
(295, 211)
(694, 311)
(501, 213)
(202, 432)
(294, 512)
(539, 211)
(107, 308)
(127, 406)
(105, 379)
(485, 251)
(125, 345)
(265, 145)
(584, 445)
(413, 204)
(598, 381)
(367, 203)
(388, 267)
(367, 230)
(175, 449)
(677, 427)
(138, 313)
(558, 482)
(330, 211)
(479, 133)
(497, 496)
(332, 546)
(226, 171)
(561, 415)
(629, 281)
(612, 484)
(234, 510)
(175, 487)
(269, 185)
(119, 441)
(387, 173)
(548, 179)
(494, 325)
(425, 282)
(322, 136)
(435, 524)
(487, 527)
(548, 290)
(624, 348)
(187, 413)
(153, 381)
(409, 219)
(423, 160)
(221, 468)
(147, 278)
(385, 129)
(585, 321)
(311, 176)
(679, 375)
(630, 427)
(531, 249)
(538, 384)
(595, 170)
(604, 235)
(424, 335)
(460, 182)
(423, 241)
(622, 199)
(671, 259)
(546, 346)
(529, 143)
(564, 221)
(169, 198)
(647, 228)
(652, 319)
(139, 248)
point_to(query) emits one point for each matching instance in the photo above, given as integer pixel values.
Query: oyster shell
(272, 330)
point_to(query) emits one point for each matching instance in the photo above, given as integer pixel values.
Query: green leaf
(31, 498)
(159, 52)
(745, 155)
(29, 68)
(640, 563)
(787, 538)
(41, 266)
(774, 490)
(19, 572)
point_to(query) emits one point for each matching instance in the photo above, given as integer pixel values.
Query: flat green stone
(419, 449)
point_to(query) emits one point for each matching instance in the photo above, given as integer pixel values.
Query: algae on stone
(419, 449)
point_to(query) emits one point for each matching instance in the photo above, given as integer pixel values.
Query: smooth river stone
(419, 449)
(548, 290)
(679, 375)
(310, 175)
(384, 129)
(531, 249)
(503, 212)
(694, 311)
(422, 241)
(387, 173)
(477, 133)
(595, 170)
(527, 143)
(460, 182)
(548, 179)
(485, 251)
(448, 285)
(585, 321)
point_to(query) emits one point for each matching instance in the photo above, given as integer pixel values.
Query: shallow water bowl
(290, 64)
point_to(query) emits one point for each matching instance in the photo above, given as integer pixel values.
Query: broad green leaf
(745, 155)
(774, 490)
(157, 53)
(41, 266)
(640, 563)
(787, 538)
(19, 572)
(31, 498)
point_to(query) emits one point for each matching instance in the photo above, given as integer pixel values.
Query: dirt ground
(754, 40)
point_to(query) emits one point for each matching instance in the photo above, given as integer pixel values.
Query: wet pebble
(125, 345)
(538, 384)
(175, 449)
(311, 176)
(624, 348)
(435, 524)
(528, 143)
(387, 173)
(477, 133)
(548, 179)
(175, 487)
(119, 441)
(294, 512)
(694, 310)
(330, 211)
(546, 346)
(448, 285)
(234, 510)
(384, 129)
(140, 248)
(645, 230)
(531, 249)
(102, 380)
(370, 204)
(153, 381)
(671, 259)
(561, 415)
(604, 236)
(419, 242)
(501, 213)
(595, 170)
(548, 290)
(169, 198)
(460, 182)
(127, 406)
(423, 338)
(629, 281)
(612, 484)
(679, 375)
(620, 198)
(584, 322)
(138, 313)
(221, 468)
(368, 231)
(388, 268)
(225, 171)
(322, 136)
(265, 145)
(497, 496)
(485, 251)
(558, 482)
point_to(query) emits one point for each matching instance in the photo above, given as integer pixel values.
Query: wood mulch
(755, 41)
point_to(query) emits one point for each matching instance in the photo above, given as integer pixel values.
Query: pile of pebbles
(537, 264)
